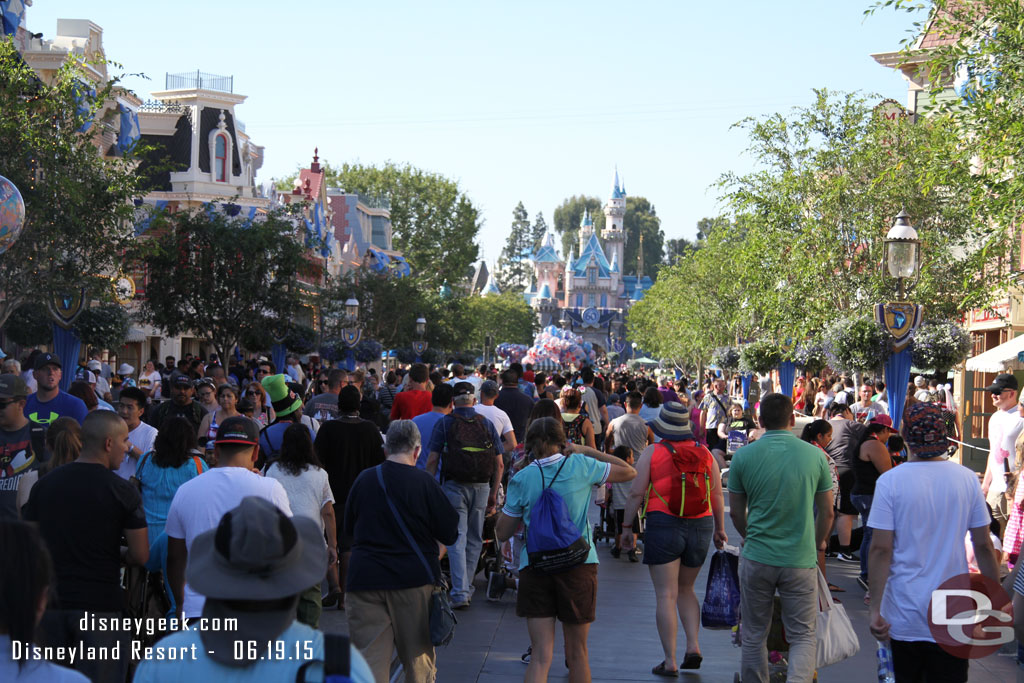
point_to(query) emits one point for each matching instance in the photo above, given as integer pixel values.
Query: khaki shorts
(569, 596)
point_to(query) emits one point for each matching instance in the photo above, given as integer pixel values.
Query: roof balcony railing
(198, 80)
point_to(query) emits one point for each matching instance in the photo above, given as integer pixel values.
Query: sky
(531, 101)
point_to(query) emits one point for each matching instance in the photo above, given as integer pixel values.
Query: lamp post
(902, 251)
(419, 346)
(351, 333)
(900, 318)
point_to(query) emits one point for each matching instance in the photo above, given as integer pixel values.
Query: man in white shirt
(499, 418)
(200, 503)
(920, 514)
(1003, 428)
(130, 406)
(459, 375)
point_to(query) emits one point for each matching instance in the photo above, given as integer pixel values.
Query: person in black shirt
(389, 587)
(180, 405)
(346, 446)
(515, 403)
(83, 509)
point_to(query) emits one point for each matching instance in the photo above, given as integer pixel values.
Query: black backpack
(469, 455)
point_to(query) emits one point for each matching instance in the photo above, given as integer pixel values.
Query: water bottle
(885, 670)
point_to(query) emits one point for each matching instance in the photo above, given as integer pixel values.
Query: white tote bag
(836, 638)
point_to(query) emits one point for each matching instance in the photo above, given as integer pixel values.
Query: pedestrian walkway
(624, 646)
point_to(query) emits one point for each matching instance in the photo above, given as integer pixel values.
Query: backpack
(574, 429)
(691, 492)
(335, 667)
(469, 454)
(553, 542)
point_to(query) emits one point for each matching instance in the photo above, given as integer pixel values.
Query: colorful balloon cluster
(560, 346)
(511, 353)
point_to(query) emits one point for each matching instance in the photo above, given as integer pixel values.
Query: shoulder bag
(442, 617)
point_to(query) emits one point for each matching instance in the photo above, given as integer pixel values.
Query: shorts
(569, 596)
(668, 538)
(847, 479)
(714, 440)
(925, 661)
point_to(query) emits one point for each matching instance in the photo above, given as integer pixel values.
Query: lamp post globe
(421, 326)
(351, 310)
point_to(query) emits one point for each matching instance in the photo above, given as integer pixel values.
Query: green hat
(283, 399)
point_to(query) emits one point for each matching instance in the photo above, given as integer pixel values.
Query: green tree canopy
(504, 317)
(514, 268)
(568, 215)
(78, 202)
(224, 278)
(434, 224)
(642, 226)
(540, 228)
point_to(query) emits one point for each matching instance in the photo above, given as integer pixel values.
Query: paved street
(624, 642)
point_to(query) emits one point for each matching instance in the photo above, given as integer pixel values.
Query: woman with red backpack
(680, 487)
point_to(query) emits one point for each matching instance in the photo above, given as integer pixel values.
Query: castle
(589, 294)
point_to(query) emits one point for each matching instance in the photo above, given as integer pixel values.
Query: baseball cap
(924, 430)
(238, 429)
(1001, 383)
(181, 380)
(881, 420)
(12, 386)
(464, 388)
(44, 359)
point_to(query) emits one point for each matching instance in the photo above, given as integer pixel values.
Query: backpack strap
(198, 463)
(337, 655)
(142, 464)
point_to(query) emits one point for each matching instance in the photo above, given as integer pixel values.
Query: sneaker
(633, 555)
(460, 604)
(496, 586)
(862, 582)
(616, 552)
(525, 659)
(848, 557)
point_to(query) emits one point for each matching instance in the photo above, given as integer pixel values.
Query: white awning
(1002, 358)
(135, 335)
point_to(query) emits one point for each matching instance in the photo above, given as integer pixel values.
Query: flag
(129, 132)
(13, 12)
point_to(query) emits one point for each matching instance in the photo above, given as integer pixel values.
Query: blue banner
(787, 375)
(129, 132)
(66, 344)
(13, 11)
(897, 376)
(745, 383)
(278, 353)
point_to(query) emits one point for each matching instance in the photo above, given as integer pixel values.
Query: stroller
(604, 528)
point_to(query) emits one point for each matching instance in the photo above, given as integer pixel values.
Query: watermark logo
(970, 616)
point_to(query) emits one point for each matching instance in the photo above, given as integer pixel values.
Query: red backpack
(691, 492)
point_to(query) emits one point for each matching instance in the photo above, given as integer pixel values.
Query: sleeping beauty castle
(588, 293)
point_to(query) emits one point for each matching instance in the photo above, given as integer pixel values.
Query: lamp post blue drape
(350, 360)
(897, 375)
(745, 383)
(787, 375)
(67, 345)
(278, 352)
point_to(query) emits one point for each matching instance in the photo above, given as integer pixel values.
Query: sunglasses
(4, 404)
(999, 392)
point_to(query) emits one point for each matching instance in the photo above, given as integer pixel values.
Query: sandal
(691, 660)
(660, 670)
(836, 589)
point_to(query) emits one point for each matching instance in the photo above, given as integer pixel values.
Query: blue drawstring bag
(721, 608)
(553, 542)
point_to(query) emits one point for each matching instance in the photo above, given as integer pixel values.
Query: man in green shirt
(776, 484)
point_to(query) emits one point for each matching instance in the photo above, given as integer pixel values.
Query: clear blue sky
(524, 100)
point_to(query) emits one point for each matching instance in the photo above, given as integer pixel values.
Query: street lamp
(419, 346)
(902, 251)
(900, 318)
(351, 311)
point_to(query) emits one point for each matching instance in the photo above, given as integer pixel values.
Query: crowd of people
(246, 496)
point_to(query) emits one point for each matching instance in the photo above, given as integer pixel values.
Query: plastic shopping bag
(721, 608)
(836, 638)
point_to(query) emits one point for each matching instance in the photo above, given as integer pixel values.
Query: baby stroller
(604, 528)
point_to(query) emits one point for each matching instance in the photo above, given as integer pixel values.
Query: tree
(504, 317)
(78, 202)
(678, 248)
(642, 226)
(540, 229)
(224, 278)
(568, 216)
(434, 224)
(514, 269)
(806, 244)
(974, 83)
(388, 306)
(705, 226)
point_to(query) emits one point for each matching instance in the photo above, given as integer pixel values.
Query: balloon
(12, 214)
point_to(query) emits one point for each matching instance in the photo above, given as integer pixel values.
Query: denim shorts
(668, 538)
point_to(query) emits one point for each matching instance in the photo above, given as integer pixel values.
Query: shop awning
(1002, 358)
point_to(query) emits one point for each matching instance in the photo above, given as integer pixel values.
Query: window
(579, 301)
(220, 153)
(592, 276)
(591, 300)
(604, 301)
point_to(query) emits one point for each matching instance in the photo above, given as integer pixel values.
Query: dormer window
(592, 276)
(220, 151)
